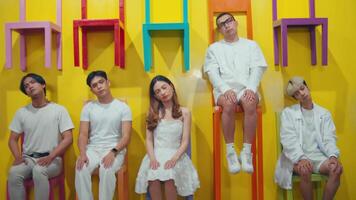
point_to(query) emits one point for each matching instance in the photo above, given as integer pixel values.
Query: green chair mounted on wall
(317, 179)
(148, 27)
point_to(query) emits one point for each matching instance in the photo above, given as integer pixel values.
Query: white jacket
(291, 127)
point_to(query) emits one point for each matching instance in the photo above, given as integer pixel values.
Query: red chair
(257, 175)
(232, 6)
(53, 182)
(99, 24)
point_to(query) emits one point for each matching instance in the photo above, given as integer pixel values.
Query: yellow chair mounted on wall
(317, 179)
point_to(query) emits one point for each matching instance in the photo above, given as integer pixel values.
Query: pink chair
(99, 24)
(23, 27)
(311, 23)
(53, 182)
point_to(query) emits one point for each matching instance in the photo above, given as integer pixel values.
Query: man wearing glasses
(235, 67)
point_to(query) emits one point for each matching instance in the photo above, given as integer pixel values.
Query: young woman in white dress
(167, 138)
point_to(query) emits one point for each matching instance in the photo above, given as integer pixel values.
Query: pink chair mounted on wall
(23, 26)
(99, 24)
(310, 23)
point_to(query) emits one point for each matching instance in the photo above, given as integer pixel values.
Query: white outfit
(293, 126)
(105, 133)
(167, 139)
(237, 65)
(42, 129)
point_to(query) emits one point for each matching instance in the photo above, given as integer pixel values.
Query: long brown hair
(156, 106)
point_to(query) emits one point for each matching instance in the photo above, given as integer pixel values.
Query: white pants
(39, 174)
(107, 178)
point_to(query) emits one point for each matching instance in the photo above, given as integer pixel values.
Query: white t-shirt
(41, 126)
(234, 65)
(105, 122)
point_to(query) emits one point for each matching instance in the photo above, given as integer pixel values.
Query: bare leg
(250, 119)
(333, 182)
(170, 190)
(306, 185)
(227, 118)
(155, 190)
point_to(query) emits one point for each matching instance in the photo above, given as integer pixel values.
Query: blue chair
(148, 27)
(189, 152)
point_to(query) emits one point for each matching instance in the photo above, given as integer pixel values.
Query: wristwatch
(114, 150)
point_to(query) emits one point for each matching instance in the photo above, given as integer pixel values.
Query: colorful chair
(257, 175)
(23, 27)
(317, 179)
(57, 181)
(231, 6)
(191, 197)
(148, 27)
(311, 23)
(99, 24)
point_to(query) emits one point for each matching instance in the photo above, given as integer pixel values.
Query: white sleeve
(65, 122)
(126, 113)
(255, 78)
(329, 140)
(289, 138)
(84, 116)
(16, 124)
(211, 67)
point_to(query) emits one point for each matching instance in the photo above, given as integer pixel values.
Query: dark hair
(156, 105)
(39, 79)
(220, 15)
(96, 73)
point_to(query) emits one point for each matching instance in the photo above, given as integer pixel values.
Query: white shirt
(105, 122)
(41, 126)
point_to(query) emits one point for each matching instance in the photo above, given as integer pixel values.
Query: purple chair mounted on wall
(312, 22)
(23, 27)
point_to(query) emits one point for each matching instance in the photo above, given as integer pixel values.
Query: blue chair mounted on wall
(189, 152)
(148, 27)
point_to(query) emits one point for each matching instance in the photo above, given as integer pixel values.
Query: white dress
(167, 138)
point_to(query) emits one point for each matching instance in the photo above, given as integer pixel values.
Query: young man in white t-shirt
(309, 143)
(105, 126)
(41, 124)
(235, 67)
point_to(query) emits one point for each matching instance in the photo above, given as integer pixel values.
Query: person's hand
(230, 95)
(249, 96)
(170, 163)
(18, 161)
(108, 160)
(82, 160)
(334, 165)
(154, 164)
(45, 161)
(304, 166)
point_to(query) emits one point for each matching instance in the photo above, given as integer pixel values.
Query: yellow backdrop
(333, 86)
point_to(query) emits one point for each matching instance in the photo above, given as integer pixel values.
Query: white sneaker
(246, 162)
(233, 163)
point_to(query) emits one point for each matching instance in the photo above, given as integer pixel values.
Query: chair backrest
(278, 129)
(311, 9)
(148, 11)
(23, 11)
(121, 10)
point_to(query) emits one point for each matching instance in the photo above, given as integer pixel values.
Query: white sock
(230, 148)
(246, 147)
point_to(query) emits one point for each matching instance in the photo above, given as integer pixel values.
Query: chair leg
(59, 51)
(62, 191)
(8, 43)
(116, 42)
(284, 41)
(324, 39)
(147, 49)
(23, 52)
(84, 49)
(312, 45)
(48, 46)
(76, 43)
(217, 155)
(276, 46)
(186, 48)
(319, 190)
(122, 48)
(289, 194)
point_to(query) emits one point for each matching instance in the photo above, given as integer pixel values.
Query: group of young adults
(234, 66)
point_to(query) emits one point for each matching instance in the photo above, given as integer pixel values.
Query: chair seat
(300, 21)
(165, 26)
(98, 22)
(314, 178)
(21, 26)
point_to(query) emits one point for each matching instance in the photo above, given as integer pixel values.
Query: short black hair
(39, 79)
(96, 73)
(220, 15)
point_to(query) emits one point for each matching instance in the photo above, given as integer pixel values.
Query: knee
(39, 172)
(335, 174)
(169, 183)
(228, 107)
(14, 177)
(106, 172)
(250, 109)
(305, 176)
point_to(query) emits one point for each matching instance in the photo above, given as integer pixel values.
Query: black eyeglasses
(226, 22)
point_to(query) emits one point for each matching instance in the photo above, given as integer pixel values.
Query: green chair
(316, 178)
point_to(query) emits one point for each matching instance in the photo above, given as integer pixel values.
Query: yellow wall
(333, 87)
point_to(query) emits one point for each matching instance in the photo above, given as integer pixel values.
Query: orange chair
(232, 6)
(122, 181)
(257, 175)
(53, 182)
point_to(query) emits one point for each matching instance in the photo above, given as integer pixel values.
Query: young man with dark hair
(309, 143)
(41, 123)
(105, 126)
(235, 67)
